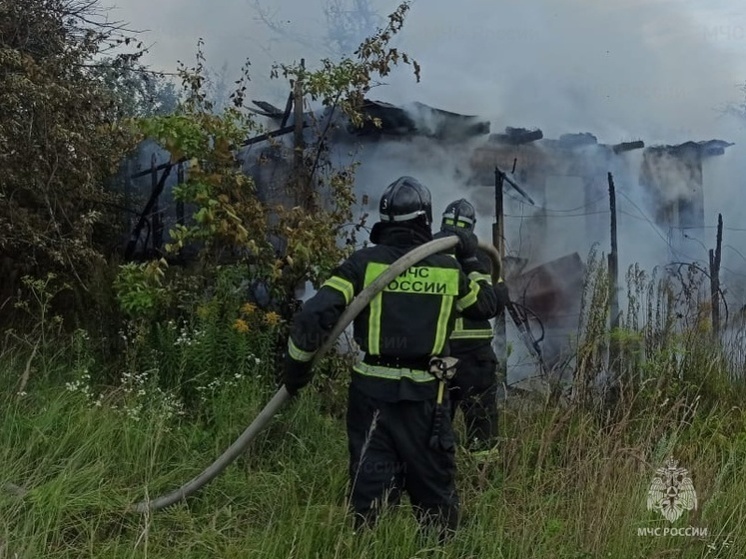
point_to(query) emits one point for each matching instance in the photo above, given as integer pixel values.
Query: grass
(569, 483)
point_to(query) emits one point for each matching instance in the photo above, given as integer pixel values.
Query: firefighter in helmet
(474, 387)
(393, 396)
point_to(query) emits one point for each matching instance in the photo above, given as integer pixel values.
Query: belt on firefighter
(395, 368)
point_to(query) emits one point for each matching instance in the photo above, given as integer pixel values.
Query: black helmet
(459, 214)
(406, 199)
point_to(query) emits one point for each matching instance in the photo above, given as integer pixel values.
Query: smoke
(623, 71)
(661, 71)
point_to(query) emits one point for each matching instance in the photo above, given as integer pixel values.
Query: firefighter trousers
(474, 390)
(390, 453)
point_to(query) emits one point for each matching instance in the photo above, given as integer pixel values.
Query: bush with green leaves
(246, 242)
(281, 245)
(61, 138)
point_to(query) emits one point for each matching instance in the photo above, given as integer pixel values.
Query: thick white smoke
(660, 71)
(622, 71)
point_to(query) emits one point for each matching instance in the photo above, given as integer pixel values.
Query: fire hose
(282, 395)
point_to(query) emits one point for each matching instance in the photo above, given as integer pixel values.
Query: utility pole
(498, 241)
(614, 371)
(299, 182)
(715, 278)
(613, 270)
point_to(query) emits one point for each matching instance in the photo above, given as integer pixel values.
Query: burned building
(569, 177)
(547, 240)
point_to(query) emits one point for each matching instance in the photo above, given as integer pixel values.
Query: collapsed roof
(418, 119)
(706, 148)
(413, 119)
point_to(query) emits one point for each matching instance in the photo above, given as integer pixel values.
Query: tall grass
(569, 482)
(565, 485)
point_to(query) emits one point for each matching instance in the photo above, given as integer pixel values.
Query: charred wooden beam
(708, 148)
(157, 189)
(273, 134)
(269, 109)
(288, 108)
(578, 140)
(250, 141)
(517, 136)
(627, 146)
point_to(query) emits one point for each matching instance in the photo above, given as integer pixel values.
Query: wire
(654, 226)
(696, 241)
(707, 275)
(738, 252)
(589, 204)
(710, 227)
(544, 208)
(569, 215)
(524, 318)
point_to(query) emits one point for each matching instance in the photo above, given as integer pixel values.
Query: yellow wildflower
(240, 326)
(248, 308)
(272, 318)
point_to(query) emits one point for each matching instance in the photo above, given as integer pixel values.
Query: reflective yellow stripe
(374, 325)
(374, 318)
(449, 221)
(297, 353)
(478, 276)
(461, 333)
(470, 298)
(441, 332)
(392, 373)
(480, 334)
(341, 285)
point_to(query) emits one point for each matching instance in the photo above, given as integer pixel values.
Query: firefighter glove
(466, 249)
(296, 374)
(503, 296)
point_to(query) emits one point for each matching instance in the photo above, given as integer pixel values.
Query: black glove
(503, 296)
(296, 374)
(466, 249)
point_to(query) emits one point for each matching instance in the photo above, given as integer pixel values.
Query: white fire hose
(264, 417)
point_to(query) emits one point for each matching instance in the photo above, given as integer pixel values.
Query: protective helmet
(406, 199)
(459, 214)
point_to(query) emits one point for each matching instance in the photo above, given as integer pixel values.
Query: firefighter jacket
(405, 324)
(474, 336)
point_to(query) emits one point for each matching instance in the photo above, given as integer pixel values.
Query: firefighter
(393, 396)
(474, 386)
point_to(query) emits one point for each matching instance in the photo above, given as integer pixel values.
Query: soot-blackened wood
(613, 277)
(715, 277)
